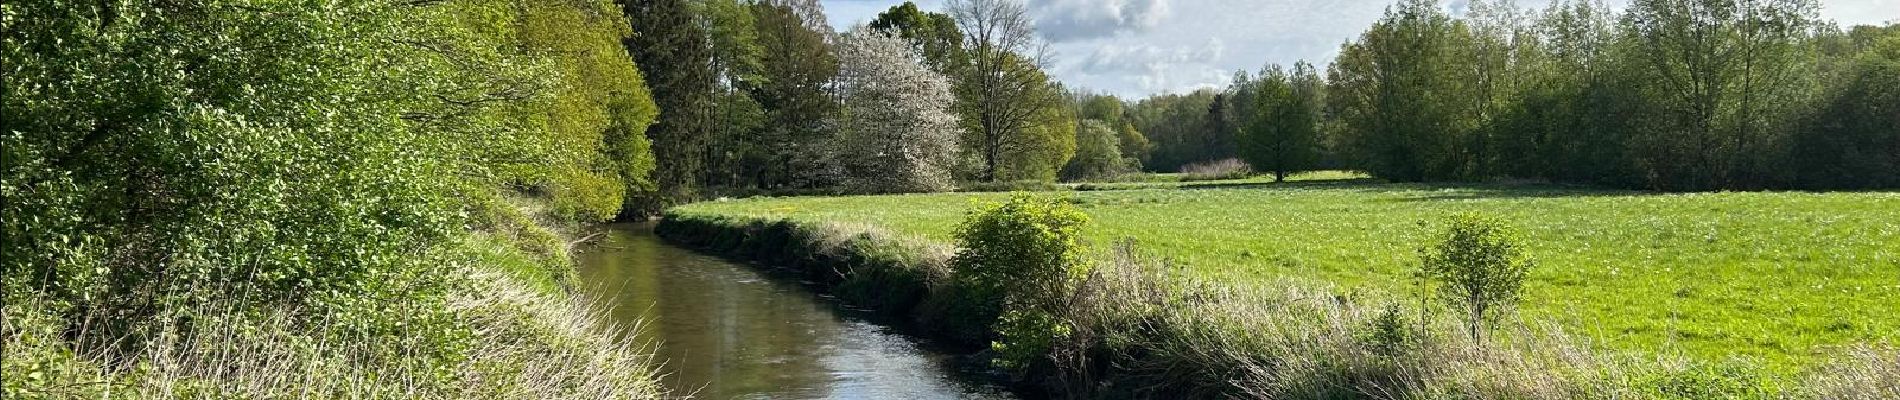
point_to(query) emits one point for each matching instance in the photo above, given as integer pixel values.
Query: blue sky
(1135, 48)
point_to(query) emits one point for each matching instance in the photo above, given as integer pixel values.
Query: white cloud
(1149, 68)
(1069, 20)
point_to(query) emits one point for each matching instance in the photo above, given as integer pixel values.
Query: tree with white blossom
(896, 131)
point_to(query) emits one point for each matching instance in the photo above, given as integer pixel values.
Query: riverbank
(726, 330)
(488, 314)
(1159, 327)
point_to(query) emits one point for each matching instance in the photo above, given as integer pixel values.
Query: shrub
(1480, 268)
(1021, 260)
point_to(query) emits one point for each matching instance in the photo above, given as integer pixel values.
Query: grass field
(1782, 278)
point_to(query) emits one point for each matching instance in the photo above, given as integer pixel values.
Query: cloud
(1113, 58)
(1071, 20)
(1154, 68)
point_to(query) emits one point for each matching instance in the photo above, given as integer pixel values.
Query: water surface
(728, 331)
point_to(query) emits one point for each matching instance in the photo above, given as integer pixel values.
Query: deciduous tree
(896, 132)
(671, 47)
(1018, 129)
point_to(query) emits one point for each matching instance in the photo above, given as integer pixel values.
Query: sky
(1137, 48)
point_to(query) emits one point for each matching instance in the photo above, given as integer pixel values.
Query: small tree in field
(1480, 269)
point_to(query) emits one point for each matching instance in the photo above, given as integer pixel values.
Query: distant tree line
(1670, 95)
(760, 96)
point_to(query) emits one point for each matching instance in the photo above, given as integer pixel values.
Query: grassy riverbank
(492, 317)
(1758, 287)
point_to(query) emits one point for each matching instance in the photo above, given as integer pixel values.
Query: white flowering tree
(896, 131)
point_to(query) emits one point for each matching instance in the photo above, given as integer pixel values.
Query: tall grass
(486, 315)
(1231, 168)
(521, 343)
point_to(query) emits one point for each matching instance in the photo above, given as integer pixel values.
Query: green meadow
(1782, 279)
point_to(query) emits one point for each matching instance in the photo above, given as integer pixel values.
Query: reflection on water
(727, 331)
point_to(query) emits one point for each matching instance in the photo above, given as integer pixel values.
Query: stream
(729, 331)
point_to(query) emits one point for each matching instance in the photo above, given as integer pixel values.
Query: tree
(1493, 51)
(1097, 153)
(896, 132)
(1218, 143)
(1720, 69)
(798, 65)
(601, 109)
(1480, 269)
(1851, 141)
(1389, 92)
(1283, 134)
(934, 35)
(1173, 124)
(1112, 112)
(732, 153)
(1134, 145)
(1571, 115)
(1042, 147)
(670, 44)
(1018, 129)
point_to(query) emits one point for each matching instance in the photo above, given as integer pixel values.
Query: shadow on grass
(1435, 191)
(1307, 184)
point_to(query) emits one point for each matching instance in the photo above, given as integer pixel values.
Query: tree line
(763, 96)
(1669, 95)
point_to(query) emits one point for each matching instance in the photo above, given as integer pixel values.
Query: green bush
(173, 164)
(1479, 268)
(1021, 260)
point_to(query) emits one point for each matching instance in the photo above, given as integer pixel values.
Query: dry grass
(1864, 372)
(1167, 332)
(523, 344)
(1231, 168)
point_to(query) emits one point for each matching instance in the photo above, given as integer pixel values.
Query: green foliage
(1026, 336)
(793, 91)
(1018, 126)
(1038, 151)
(1389, 92)
(1171, 126)
(1021, 260)
(1725, 68)
(1391, 332)
(673, 50)
(1479, 267)
(599, 111)
(1282, 135)
(1098, 153)
(933, 35)
(169, 156)
(1670, 95)
(1850, 140)
(301, 172)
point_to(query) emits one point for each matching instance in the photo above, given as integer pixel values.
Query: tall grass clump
(1230, 168)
